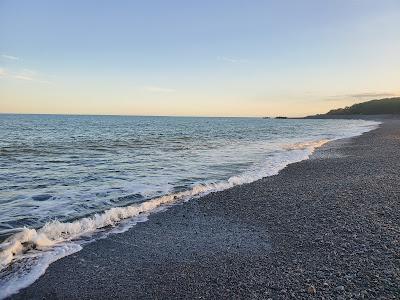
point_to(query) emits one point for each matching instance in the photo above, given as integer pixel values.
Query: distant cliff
(374, 107)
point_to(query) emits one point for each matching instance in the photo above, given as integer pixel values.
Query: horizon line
(162, 116)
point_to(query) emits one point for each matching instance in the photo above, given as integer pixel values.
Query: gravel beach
(324, 228)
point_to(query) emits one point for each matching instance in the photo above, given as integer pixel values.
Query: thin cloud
(369, 95)
(23, 77)
(3, 72)
(158, 89)
(233, 59)
(29, 71)
(10, 57)
(25, 74)
(357, 96)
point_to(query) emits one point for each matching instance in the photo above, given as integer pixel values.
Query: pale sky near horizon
(208, 58)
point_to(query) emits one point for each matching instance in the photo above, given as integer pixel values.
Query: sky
(196, 58)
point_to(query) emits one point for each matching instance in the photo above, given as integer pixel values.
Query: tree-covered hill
(373, 107)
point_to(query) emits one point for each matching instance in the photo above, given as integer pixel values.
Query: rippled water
(107, 168)
(66, 167)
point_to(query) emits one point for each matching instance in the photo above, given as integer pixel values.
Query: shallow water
(68, 176)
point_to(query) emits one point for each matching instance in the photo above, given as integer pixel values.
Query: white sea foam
(32, 267)
(306, 145)
(57, 239)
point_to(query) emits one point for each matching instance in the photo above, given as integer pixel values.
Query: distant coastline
(383, 108)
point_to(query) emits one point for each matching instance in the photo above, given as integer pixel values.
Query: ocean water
(66, 180)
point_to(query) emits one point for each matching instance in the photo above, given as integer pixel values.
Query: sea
(67, 180)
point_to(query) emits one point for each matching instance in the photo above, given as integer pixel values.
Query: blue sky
(196, 57)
